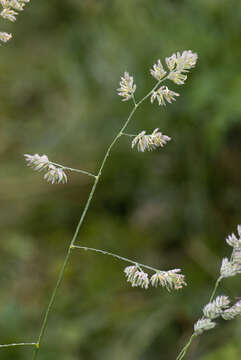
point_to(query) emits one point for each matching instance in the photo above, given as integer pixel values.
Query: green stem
(184, 350)
(215, 289)
(115, 256)
(62, 270)
(71, 169)
(130, 135)
(19, 344)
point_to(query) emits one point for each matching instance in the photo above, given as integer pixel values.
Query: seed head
(55, 175)
(216, 307)
(136, 277)
(150, 142)
(164, 94)
(168, 279)
(37, 162)
(127, 87)
(232, 312)
(158, 71)
(229, 268)
(4, 37)
(9, 14)
(203, 325)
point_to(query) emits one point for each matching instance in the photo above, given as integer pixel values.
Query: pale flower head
(9, 14)
(177, 77)
(127, 87)
(229, 268)
(158, 71)
(4, 36)
(163, 94)
(136, 277)
(55, 175)
(203, 325)
(182, 62)
(17, 5)
(232, 312)
(233, 241)
(37, 162)
(150, 142)
(216, 307)
(168, 279)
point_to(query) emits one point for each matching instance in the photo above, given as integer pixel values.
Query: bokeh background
(170, 208)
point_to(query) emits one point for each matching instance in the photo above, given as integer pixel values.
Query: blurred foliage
(170, 208)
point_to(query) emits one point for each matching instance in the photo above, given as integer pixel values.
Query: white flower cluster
(215, 308)
(4, 36)
(168, 279)
(179, 64)
(53, 175)
(158, 71)
(9, 12)
(202, 325)
(127, 87)
(150, 142)
(232, 267)
(211, 311)
(163, 94)
(232, 312)
(220, 306)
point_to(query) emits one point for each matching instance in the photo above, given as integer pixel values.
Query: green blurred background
(170, 208)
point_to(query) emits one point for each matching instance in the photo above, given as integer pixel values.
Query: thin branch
(18, 344)
(115, 256)
(76, 170)
(130, 135)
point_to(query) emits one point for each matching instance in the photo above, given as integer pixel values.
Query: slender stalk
(130, 135)
(19, 344)
(115, 256)
(215, 289)
(184, 350)
(186, 347)
(62, 270)
(71, 169)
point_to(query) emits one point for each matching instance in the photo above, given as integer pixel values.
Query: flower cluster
(9, 11)
(150, 142)
(54, 174)
(202, 325)
(232, 267)
(158, 72)
(215, 308)
(179, 64)
(167, 279)
(211, 311)
(127, 87)
(220, 306)
(232, 312)
(163, 94)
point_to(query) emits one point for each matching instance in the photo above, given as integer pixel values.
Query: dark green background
(170, 208)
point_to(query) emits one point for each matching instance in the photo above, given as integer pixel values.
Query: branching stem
(97, 178)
